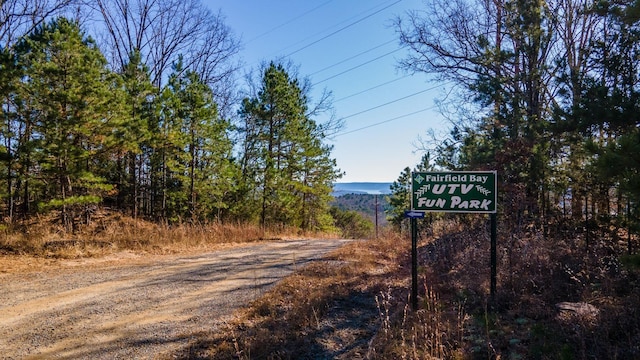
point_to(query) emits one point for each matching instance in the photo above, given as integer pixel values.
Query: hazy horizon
(360, 187)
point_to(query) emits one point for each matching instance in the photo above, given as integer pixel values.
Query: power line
(288, 21)
(352, 57)
(358, 66)
(390, 102)
(342, 29)
(384, 122)
(334, 32)
(385, 104)
(371, 88)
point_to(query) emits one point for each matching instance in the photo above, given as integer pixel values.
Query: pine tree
(168, 144)
(284, 156)
(73, 110)
(9, 76)
(207, 174)
(400, 199)
(134, 135)
(193, 174)
(606, 116)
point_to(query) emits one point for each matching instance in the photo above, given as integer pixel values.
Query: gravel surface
(142, 308)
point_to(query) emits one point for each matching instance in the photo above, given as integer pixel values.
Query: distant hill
(361, 197)
(371, 188)
(364, 204)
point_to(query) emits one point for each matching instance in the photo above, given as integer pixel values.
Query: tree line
(148, 127)
(545, 92)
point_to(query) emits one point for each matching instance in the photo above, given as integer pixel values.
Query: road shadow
(305, 317)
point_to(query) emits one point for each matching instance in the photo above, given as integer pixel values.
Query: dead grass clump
(326, 310)
(436, 329)
(110, 232)
(355, 303)
(536, 273)
(406, 334)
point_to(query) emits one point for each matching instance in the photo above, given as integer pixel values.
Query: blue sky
(350, 48)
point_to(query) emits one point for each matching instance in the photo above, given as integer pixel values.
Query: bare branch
(20, 17)
(165, 30)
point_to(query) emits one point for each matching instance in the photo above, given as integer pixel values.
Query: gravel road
(138, 309)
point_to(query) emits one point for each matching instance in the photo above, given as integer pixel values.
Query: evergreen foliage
(550, 101)
(76, 135)
(554, 90)
(352, 224)
(68, 107)
(285, 163)
(400, 199)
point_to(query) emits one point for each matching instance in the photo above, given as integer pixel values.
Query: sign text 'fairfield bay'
(461, 191)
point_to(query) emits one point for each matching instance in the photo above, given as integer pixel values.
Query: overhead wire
(351, 57)
(343, 28)
(369, 89)
(384, 122)
(289, 21)
(332, 33)
(389, 103)
(385, 104)
(335, 32)
(357, 66)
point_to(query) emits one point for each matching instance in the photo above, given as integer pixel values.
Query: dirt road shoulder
(138, 307)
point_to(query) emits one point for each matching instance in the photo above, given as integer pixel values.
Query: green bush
(351, 223)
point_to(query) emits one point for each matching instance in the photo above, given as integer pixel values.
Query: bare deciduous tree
(443, 38)
(165, 30)
(19, 17)
(464, 40)
(511, 58)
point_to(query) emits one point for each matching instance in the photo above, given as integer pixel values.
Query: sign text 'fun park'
(461, 191)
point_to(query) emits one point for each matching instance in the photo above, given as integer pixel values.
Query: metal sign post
(456, 192)
(494, 257)
(414, 216)
(414, 263)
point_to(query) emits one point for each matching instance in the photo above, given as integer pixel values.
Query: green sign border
(477, 192)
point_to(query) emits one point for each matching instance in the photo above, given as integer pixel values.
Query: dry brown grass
(109, 232)
(350, 305)
(326, 310)
(535, 273)
(354, 304)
